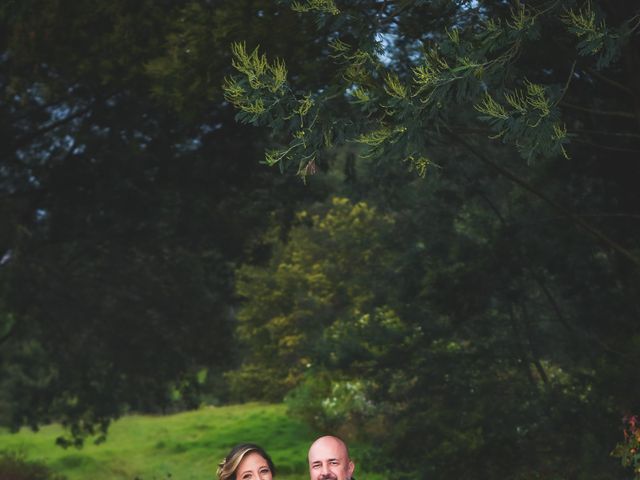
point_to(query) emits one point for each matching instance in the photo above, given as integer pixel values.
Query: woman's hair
(228, 466)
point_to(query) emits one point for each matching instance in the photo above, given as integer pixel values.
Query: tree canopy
(128, 193)
(518, 251)
(474, 71)
(452, 276)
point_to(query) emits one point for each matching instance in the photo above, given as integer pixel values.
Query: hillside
(183, 446)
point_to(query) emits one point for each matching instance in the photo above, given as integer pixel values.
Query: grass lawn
(184, 446)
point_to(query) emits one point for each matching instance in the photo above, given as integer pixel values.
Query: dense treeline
(454, 278)
(128, 195)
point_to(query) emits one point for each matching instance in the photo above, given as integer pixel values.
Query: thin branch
(8, 335)
(605, 215)
(599, 341)
(612, 134)
(526, 262)
(522, 351)
(21, 142)
(20, 194)
(605, 147)
(568, 82)
(393, 15)
(569, 327)
(471, 130)
(610, 113)
(637, 18)
(46, 106)
(528, 267)
(585, 215)
(533, 346)
(565, 211)
(611, 82)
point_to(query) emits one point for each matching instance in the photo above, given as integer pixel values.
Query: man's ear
(351, 468)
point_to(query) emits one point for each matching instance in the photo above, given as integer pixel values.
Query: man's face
(328, 460)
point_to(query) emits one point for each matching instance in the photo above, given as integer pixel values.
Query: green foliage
(325, 6)
(127, 195)
(466, 67)
(332, 405)
(431, 97)
(465, 322)
(493, 351)
(270, 78)
(526, 109)
(469, 347)
(328, 275)
(595, 37)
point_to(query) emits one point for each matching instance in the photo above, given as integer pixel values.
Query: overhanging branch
(577, 220)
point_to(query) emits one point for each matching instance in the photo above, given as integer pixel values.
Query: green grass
(184, 446)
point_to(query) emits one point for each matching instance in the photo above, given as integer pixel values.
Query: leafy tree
(456, 353)
(330, 274)
(476, 65)
(520, 258)
(128, 192)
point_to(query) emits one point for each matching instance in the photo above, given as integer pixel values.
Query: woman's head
(246, 461)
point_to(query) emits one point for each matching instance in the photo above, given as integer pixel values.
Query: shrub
(14, 466)
(629, 450)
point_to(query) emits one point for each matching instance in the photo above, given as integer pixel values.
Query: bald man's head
(329, 459)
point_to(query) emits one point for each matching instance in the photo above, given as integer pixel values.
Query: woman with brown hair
(246, 461)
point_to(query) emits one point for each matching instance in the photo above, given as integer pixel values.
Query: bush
(628, 451)
(332, 404)
(14, 466)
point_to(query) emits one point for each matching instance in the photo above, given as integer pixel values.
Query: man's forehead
(327, 448)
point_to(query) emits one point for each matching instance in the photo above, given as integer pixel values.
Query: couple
(328, 460)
